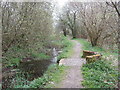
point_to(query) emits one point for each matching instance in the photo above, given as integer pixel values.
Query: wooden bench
(91, 56)
(88, 53)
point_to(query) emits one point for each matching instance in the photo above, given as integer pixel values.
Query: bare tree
(95, 21)
(69, 19)
(26, 28)
(115, 5)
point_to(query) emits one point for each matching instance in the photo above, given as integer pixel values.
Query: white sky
(58, 6)
(61, 3)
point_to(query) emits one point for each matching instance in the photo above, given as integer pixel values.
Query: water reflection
(54, 59)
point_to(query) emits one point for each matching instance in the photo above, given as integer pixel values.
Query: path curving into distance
(73, 77)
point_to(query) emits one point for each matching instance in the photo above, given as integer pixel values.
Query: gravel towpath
(73, 77)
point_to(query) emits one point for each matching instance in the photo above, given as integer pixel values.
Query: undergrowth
(54, 72)
(99, 74)
(14, 56)
(53, 75)
(41, 56)
(102, 73)
(48, 80)
(87, 46)
(20, 81)
(67, 49)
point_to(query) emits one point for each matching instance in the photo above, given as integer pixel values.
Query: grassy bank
(51, 76)
(102, 73)
(54, 73)
(67, 49)
(17, 55)
(87, 46)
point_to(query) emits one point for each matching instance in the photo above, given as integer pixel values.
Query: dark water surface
(35, 68)
(31, 70)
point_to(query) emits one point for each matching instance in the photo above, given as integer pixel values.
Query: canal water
(33, 68)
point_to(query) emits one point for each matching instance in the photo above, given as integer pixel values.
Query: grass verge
(67, 49)
(99, 74)
(102, 73)
(87, 46)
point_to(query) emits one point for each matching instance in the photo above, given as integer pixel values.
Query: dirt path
(73, 77)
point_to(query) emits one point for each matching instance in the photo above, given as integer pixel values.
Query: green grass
(57, 73)
(41, 56)
(87, 46)
(67, 49)
(15, 55)
(14, 62)
(100, 74)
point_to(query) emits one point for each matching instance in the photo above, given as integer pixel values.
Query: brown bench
(91, 56)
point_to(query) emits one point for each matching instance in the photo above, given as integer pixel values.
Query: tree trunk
(74, 26)
(74, 33)
(64, 32)
(94, 42)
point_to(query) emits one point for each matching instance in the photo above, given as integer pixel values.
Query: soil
(74, 76)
